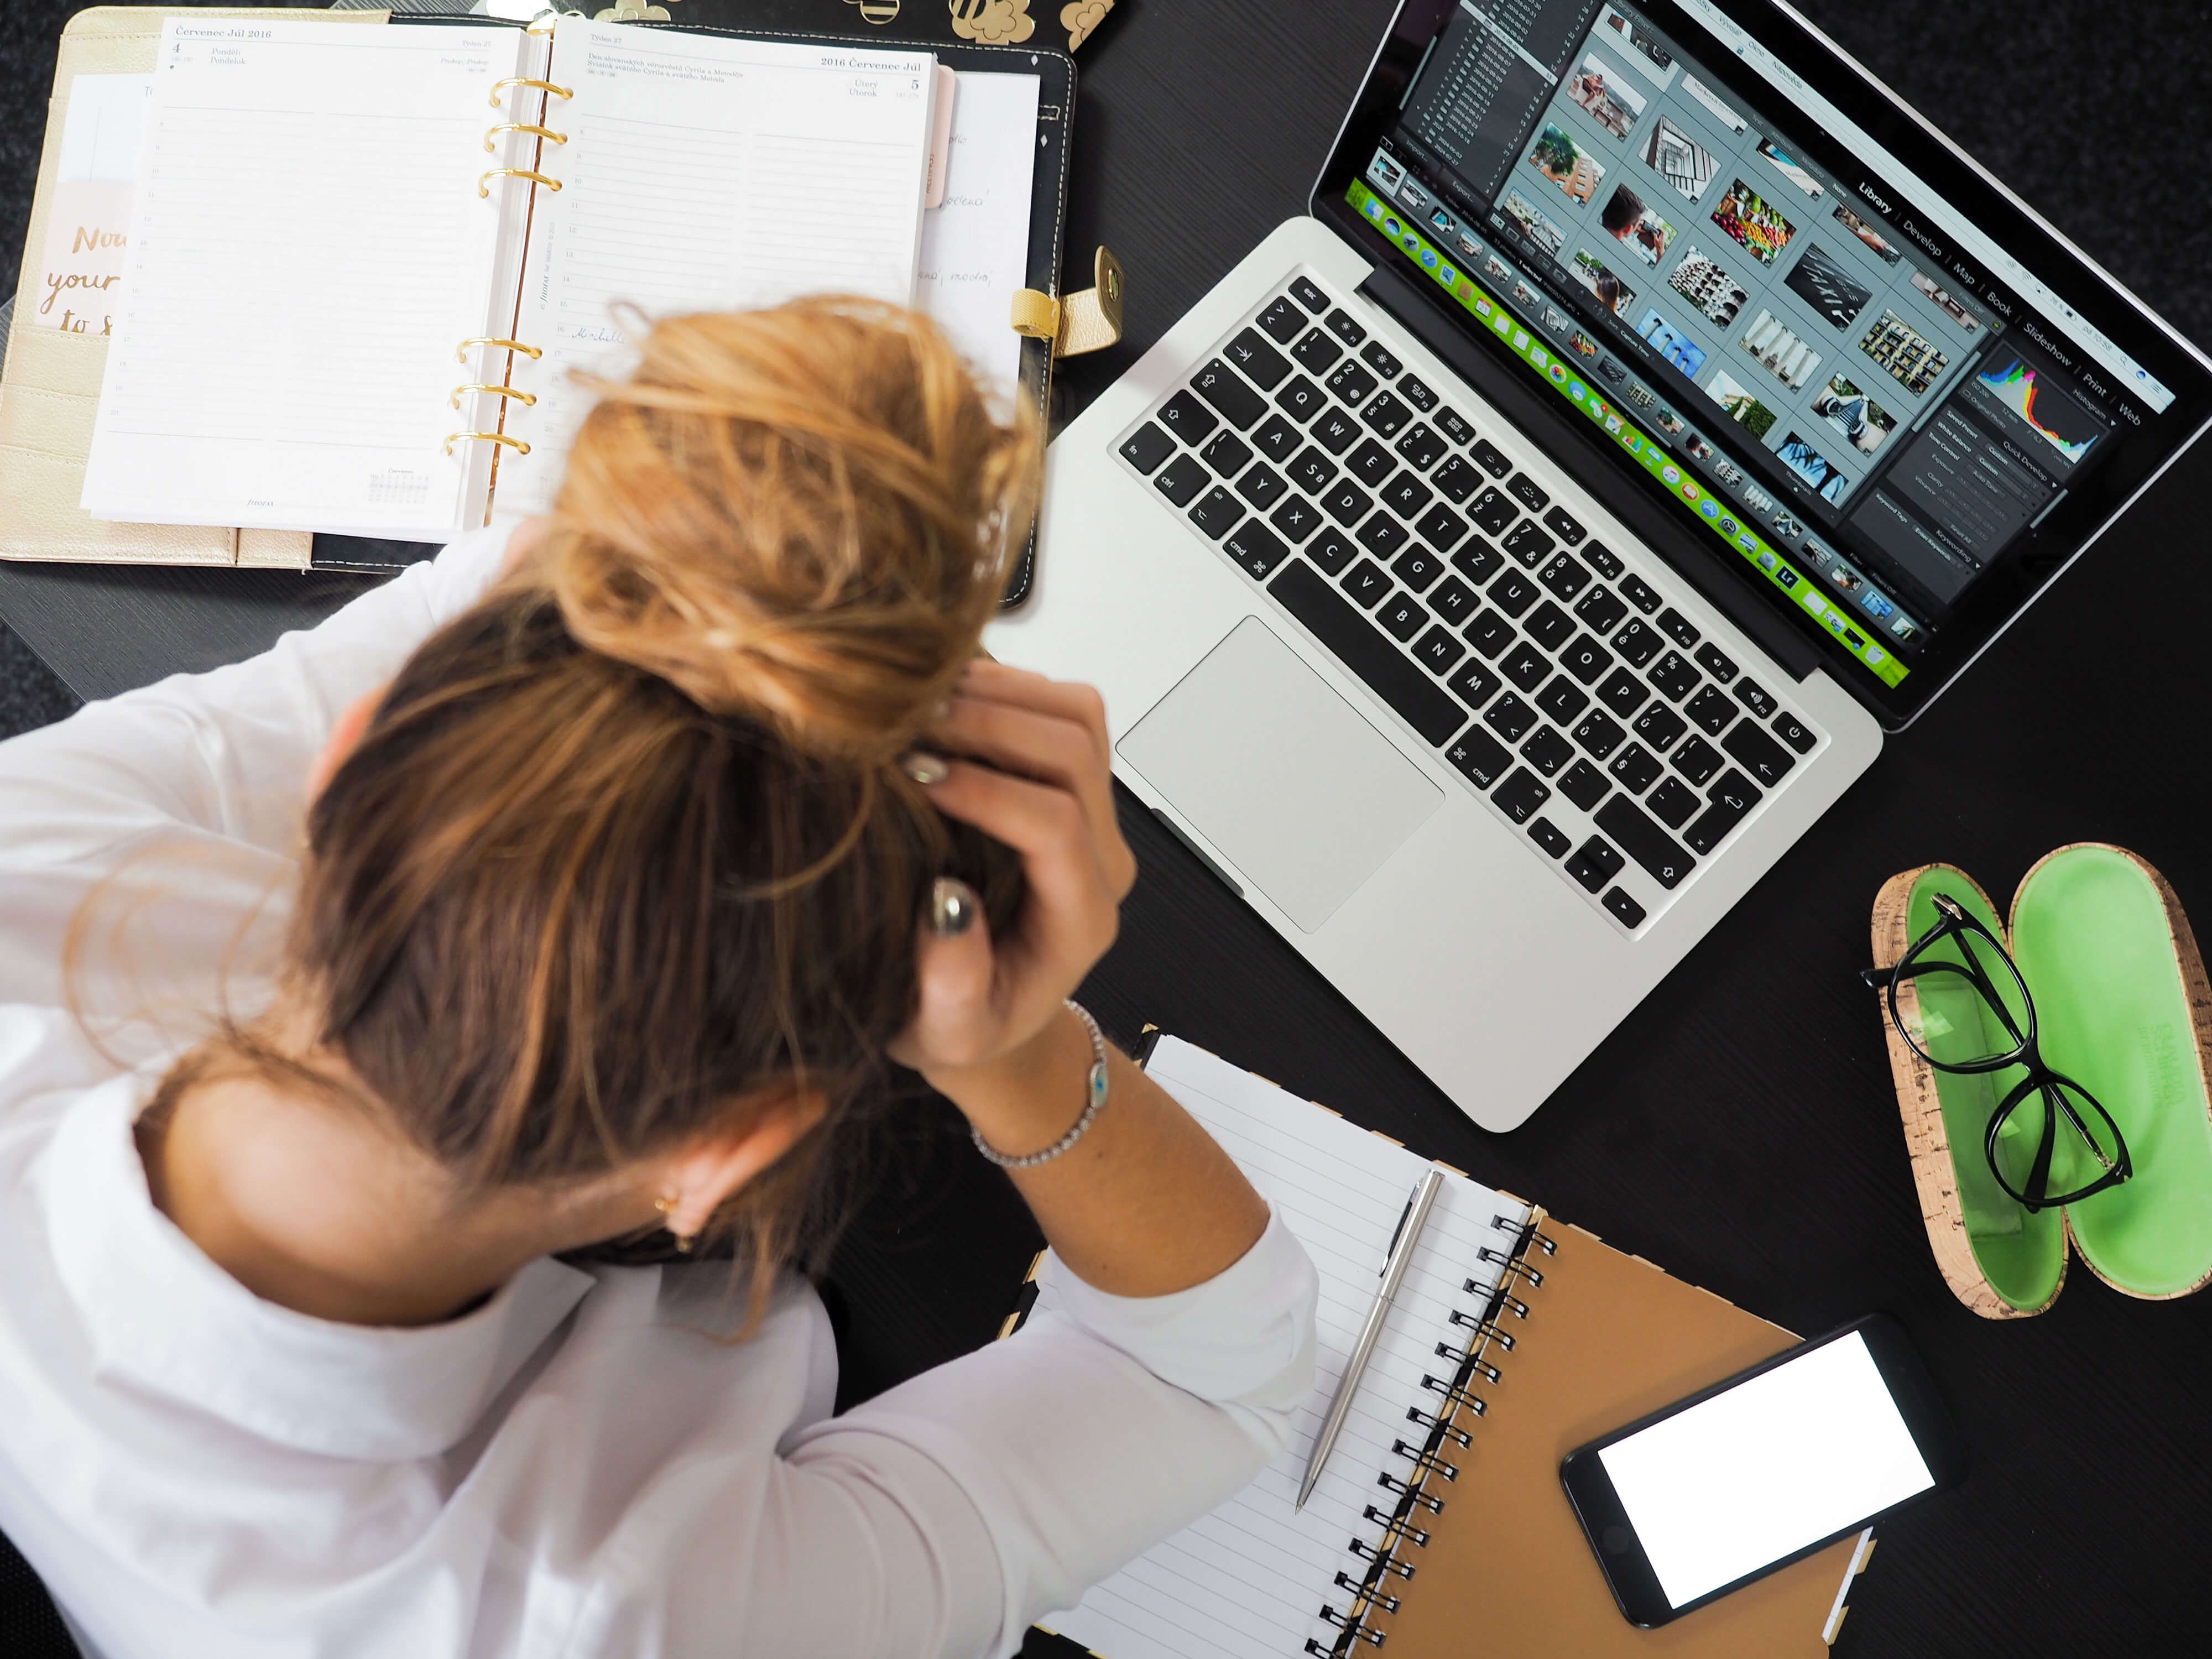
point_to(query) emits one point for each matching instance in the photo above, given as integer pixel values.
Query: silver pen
(1393, 1272)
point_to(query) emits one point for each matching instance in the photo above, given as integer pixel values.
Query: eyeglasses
(1965, 1018)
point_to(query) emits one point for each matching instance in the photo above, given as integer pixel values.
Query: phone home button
(1619, 1541)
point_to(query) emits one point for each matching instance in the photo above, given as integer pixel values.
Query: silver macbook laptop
(1508, 560)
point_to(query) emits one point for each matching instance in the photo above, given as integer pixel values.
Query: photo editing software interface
(1811, 366)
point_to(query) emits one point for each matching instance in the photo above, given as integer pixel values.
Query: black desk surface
(1739, 1127)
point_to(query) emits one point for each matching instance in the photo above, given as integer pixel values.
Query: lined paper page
(975, 247)
(707, 174)
(1248, 1581)
(309, 249)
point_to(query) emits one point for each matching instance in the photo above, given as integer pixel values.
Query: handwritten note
(88, 226)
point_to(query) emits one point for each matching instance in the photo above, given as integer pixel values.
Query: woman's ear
(699, 1179)
(345, 734)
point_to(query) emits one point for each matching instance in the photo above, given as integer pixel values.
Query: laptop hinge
(1536, 416)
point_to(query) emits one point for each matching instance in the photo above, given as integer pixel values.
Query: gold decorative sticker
(992, 23)
(877, 12)
(1080, 17)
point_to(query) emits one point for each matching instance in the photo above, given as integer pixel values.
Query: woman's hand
(1030, 764)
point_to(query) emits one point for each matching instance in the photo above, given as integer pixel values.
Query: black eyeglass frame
(2055, 1087)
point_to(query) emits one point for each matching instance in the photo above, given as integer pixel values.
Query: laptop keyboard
(1559, 677)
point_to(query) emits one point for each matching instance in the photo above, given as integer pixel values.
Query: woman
(633, 852)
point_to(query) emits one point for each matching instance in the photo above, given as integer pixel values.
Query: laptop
(1499, 570)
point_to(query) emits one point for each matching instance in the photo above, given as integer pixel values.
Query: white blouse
(577, 1467)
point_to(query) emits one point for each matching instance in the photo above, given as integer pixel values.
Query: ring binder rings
(461, 352)
(547, 133)
(498, 86)
(483, 189)
(524, 397)
(515, 444)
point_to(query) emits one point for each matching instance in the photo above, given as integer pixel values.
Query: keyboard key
(1549, 836)
(1605, 561)
(1216, 511)
(1659, 727)
(1226, 453)
(1406, 494)
(1301, 399)
(1455, 480)
(1312, 471)
(1282, 319)
(1341, 325)
(1697, 760)
(1511, 718)
(1417, 566)
(1664, 858)
(1547, 752)
(1638, 642)
(1715, 662)
(1417, 392)
(1353, 384)
(1438, 649)
(1262, 486)
(1473, 684)
(1332, 551)
(1599, 733)
(1629, 912)
(1453, 600)
(1388, 672)
(1366, 584)
(1527, 491)
(1709, 711)
(1595, 865)
(1563, 700)
(1296, 518)
(1236, 402)
(1528, 543)
(1526, 666)
(1257, 549)
(1402, 618)
(1442, 526)
(1673, 676)
(1623, 693)
(1584, 784)
(1640, 593)
(1489, 633)
(1420, 447)
(1767, 761)
(1478, 558)
(1381, 535)
(1377, 357)
(1309, 294)
(1317, 353)
(1550, 625)
(1673, 803)
(1520, 795)
(1795, 733)
(1277, 439)
(1512, 592)
(1493, 512)
(1601, 610)
(1491, 459)
(1371, 463)
(1453, 425)
(1724, 811)
(1262, 364)
(1586, 660)
(1335, 431)
(1756, 697)
(1562, 524)
(1635, 768)
(1478, 755)
(1147, 447)
(1564, 576)
(1678, 627)
(1386, 414)
(1180, 479)
(1346, 501)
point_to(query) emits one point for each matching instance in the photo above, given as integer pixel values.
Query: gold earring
(666, 1205)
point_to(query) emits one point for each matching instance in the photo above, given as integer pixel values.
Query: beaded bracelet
(1094, 1097)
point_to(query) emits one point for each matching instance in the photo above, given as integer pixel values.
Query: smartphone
(1752, 1473)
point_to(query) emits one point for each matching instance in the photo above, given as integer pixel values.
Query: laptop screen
(1829, 362)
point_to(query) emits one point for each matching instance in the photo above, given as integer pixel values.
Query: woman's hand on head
(1028, 763)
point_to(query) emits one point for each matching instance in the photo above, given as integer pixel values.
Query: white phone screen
(1756, 1474)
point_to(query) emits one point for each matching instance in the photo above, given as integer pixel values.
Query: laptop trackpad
(1275, 769)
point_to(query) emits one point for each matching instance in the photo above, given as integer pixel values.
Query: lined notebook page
(1249, 1580)
(703, 174)
(975, 247)
(307, 250)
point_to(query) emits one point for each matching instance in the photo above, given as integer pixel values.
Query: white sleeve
(955, 1510)
(196, 783)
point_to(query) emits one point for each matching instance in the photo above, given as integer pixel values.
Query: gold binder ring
(461, 352)
(491, 133)
(483, 189)
(514, 444)
(498, 86)
(526, 398)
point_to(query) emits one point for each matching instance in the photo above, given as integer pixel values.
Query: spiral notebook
(1439, 1526)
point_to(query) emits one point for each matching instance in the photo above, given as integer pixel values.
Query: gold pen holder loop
(514, 444)
(461, 351)
(498, 86)
(483, 188)
(526, 399)
(1081, 322)
(491, 134)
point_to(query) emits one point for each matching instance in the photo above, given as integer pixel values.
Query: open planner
(1439, 1526)
(364, 262)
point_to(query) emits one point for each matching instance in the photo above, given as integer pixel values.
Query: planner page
(307, 250)
(976, 245)
(705, 174)
(1248, 1581)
